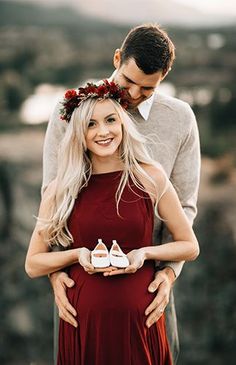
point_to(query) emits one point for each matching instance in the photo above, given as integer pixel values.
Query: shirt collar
(144, 108)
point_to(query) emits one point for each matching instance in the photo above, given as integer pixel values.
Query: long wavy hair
(75, 169)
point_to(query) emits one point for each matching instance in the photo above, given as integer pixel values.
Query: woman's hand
(84, 258)
(136, 260)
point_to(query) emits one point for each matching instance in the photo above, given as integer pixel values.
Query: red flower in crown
(102, 90)
(70, 94)
(73, 98)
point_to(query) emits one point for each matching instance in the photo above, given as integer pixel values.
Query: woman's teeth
(104, 142)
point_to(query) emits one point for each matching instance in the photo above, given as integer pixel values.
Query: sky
(227, 7)
(189, 13)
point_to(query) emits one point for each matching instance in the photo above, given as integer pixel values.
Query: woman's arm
(39, 260)
(185, 245)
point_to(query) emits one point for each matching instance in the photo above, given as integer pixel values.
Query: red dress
(110, 310)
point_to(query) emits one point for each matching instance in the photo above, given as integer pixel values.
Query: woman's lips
(104, 142)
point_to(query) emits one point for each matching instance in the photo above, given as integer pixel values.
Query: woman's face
(104, 133)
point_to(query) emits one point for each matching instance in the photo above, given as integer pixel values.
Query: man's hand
(162, 285)
(60, 281)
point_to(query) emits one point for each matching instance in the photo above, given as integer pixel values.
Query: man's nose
(134, 92)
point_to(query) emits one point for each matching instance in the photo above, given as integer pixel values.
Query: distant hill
(20, 14)
(165, 12)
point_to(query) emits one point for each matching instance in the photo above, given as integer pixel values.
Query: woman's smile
(104, 142)
(104, 133)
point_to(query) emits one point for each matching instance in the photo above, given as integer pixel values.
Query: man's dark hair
(150, 47)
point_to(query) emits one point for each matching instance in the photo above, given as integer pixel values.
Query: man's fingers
(155, 310)
(61, 299)
(154, 285)
(60, 282)
(154, 316)
(70, 309)
(67, 317)
(66, 311)
(68, 282)
(158, 302)
(63, 304)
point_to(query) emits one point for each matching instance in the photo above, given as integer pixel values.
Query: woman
(107, 187)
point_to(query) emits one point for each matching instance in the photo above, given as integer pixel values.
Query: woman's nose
(103, 129)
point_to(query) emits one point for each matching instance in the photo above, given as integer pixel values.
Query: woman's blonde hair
(75, 168)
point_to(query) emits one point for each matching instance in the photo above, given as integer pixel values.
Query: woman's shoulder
(156, 172)
(159, 178)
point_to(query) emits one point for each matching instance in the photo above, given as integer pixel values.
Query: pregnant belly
(97, 294)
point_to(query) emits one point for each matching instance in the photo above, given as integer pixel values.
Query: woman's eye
(91, 124)
(111, 120)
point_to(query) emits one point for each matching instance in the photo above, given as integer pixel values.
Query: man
(142, 62)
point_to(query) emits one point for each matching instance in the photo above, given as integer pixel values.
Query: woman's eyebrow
(109, 115)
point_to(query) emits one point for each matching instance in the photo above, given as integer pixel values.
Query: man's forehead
(132, 73)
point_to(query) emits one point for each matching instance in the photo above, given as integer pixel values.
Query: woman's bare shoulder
(156, 173)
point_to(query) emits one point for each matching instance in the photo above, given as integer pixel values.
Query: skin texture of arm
(39, 259)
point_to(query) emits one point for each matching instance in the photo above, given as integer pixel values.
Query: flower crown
(73, 98)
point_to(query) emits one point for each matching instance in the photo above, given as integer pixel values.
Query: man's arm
(185, 178)
(54, 134)
(60, 280)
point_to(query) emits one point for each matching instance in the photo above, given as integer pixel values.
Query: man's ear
(164, 74)
(117, 58)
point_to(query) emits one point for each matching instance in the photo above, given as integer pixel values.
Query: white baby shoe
(100, 255)
(117, 257)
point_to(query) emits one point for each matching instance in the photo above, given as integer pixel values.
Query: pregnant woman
(107, 188)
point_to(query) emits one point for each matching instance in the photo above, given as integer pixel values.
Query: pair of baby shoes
(101, 257)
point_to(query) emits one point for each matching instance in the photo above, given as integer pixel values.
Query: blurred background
(46, 48)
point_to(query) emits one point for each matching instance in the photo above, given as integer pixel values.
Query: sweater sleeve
(54, 134)
(185, 176)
